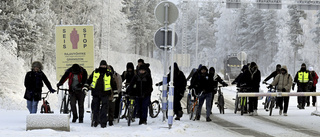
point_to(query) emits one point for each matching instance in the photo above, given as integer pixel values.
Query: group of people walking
(106, 86)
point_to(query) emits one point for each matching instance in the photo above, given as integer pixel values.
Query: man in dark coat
(179, 83)
(251, 79)
(34, 82)
(202, 87)
(76, 76)
(141, 87)
(214, 79)
(102, 83)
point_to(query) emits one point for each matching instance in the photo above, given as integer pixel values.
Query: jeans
(207, 97)
(32, 106)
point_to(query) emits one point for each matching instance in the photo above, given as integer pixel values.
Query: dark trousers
(314, 98)
(111, 110)
(117, 106)
(303, 87)
(283, 103)
(207, 97)
(77, 96)
(100, 112)
(253, 103)
(177, 105)
(142, 105)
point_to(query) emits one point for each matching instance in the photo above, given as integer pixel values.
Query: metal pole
(197, 34)
(165, 84)
(171, 88)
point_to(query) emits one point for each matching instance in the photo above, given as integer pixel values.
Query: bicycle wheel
(221, 104)
(271, 106)
(242, 103)
(154, 109)
(236, 103)
(129, 117)
(195, 112)
(62, 107)
(191, 113)
(188, 103)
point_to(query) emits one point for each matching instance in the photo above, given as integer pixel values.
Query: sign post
(166, 13)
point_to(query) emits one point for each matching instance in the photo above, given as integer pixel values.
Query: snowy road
(298, 123)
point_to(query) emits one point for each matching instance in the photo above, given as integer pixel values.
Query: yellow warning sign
(74, 45)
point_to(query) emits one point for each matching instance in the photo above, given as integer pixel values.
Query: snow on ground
(13, 123)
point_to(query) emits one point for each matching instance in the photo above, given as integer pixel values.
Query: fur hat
(37, 64)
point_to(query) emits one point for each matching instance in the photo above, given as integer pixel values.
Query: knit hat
(75, 68)
(311, 69)
(303, 64)
(143, 67)
(103, 62)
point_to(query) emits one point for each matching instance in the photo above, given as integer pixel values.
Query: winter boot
(280, 112)
(255, 113)
(208, 119)
(198, 117)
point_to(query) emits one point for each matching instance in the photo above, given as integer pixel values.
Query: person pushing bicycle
(283, 82)
(77, 76)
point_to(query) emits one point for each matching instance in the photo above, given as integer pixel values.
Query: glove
(84, 89)
(52, 90)
(283, 90)
(234, 82)
(224, 84)
(293, 86)
(270, 86)
(157, 84)
(59, 84)
(189, 87)
(115, 94)
(86, 85)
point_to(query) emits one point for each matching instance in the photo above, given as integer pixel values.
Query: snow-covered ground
(297, 123)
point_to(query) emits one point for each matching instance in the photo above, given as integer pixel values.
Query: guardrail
(279, 94)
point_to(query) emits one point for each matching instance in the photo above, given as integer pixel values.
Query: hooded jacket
(283, 81)
(251, 78)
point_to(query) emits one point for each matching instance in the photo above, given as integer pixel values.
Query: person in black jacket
(128, 74)
(179, 83)
(303, 79)
(202, 87)
(214, 79)
(273, 74)
(102, 83)
(34, 82)
(141, 87)
(251, 79)
(77, 77)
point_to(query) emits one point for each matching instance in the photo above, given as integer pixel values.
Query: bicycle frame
(194, 107)
(220, 103)
(45, 108)
(130, 110)
(65, 103)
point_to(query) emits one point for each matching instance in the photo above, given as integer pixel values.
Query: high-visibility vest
(106, 80)
(303, 77)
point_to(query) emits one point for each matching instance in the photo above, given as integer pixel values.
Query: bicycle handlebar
(46, 94)
(63, 89)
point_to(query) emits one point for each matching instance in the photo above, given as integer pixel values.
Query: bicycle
(45, 108)
(270, 101)
(65, 104)
(194, 107)
(131, 110)
(243, 101)
(123, 107)
(189, 100)
(220, 102)
(154, 108)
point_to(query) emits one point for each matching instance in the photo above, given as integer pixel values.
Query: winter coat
(128, 75)
(201, 82)
(272, 75)
(118, 80)
(251, 78)
(82, 78)
(315, 78)
(283, 81)
(213, 80)
(296, 77)
(179, 81)
(140, 85)
(34, 83)
(98, 91)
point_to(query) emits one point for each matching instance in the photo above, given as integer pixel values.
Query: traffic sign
(159, 37)
(172, 13)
